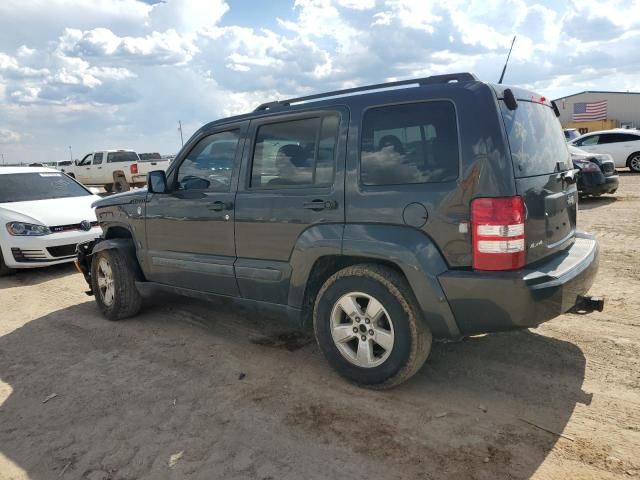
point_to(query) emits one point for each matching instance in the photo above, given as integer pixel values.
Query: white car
(622, 144)
(44, 214)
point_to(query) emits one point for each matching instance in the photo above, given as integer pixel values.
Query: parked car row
(115, 170)
(375, 218)
(597, 174)
(622, 144)
(597, 155)
(44, 214)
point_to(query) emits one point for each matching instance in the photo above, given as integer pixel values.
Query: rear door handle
(319, 205)
(220, 206)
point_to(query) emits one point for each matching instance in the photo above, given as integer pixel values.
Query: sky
(103, 74)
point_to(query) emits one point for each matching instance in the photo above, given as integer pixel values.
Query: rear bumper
(600, 186)
(485, 302)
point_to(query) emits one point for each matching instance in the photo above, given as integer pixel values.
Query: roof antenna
(504, 69)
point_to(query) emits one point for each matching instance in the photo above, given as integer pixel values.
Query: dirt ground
(187, 390)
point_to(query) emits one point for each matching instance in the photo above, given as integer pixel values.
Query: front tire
(633, 162)
(369, 328)
(113, 283)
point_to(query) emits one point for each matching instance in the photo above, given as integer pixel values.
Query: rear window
(113, 157)
(411, 143)
(149, 157)
(538, 146)
(25, 187)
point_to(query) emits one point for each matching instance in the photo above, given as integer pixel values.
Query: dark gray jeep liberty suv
(384, 216)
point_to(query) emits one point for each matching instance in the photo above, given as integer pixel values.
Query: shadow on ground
(160, 397)
(587, 203)
(35, 276)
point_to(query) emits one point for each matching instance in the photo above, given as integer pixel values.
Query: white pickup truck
(116, 170)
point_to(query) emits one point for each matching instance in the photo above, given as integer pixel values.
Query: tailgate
(540, 160)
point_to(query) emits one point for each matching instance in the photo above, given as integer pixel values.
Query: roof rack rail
(434, 79)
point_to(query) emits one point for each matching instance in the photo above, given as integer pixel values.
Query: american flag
(587, 111)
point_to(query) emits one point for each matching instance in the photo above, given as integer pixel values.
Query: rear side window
(616, 138)
(297, 152)
(113, 157)
(414, 143)
(97, 158)
(538, 146)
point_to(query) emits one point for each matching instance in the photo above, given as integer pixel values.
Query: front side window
(86, 160)
(406, 144)
(592, 140)
(209, 165)
(97, 158)
(297, 152)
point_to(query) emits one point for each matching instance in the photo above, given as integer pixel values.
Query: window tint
(536, 141)
(113, 157)
(209, 165)
(592, 140)
(26, 187)
(97, 158)
(86, 160)
(621, 137)
(404, 144)
(608, 138)
(299, 152)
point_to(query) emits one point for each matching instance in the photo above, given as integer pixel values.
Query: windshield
(25, 187)
(536, 139)
(122, 157)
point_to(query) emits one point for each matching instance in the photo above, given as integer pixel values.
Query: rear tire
(4, 270)
(383, 340)
(113, 283)
(120, 184)
(633, 162)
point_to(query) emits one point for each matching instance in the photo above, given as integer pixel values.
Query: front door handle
(319, 205)
(220, 206)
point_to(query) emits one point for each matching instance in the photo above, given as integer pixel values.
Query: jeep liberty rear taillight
(498, 233)
(133, 168)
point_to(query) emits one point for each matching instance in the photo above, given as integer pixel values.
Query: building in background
(591, 111)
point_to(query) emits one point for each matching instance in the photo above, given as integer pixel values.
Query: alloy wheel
(362, 330)
(105, 282)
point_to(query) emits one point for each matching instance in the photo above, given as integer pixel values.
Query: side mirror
(157, 182)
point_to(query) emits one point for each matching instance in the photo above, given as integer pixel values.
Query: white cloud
(357, 4)
(187, 15)
(123, 72)
(166, 47)
(8, 136)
